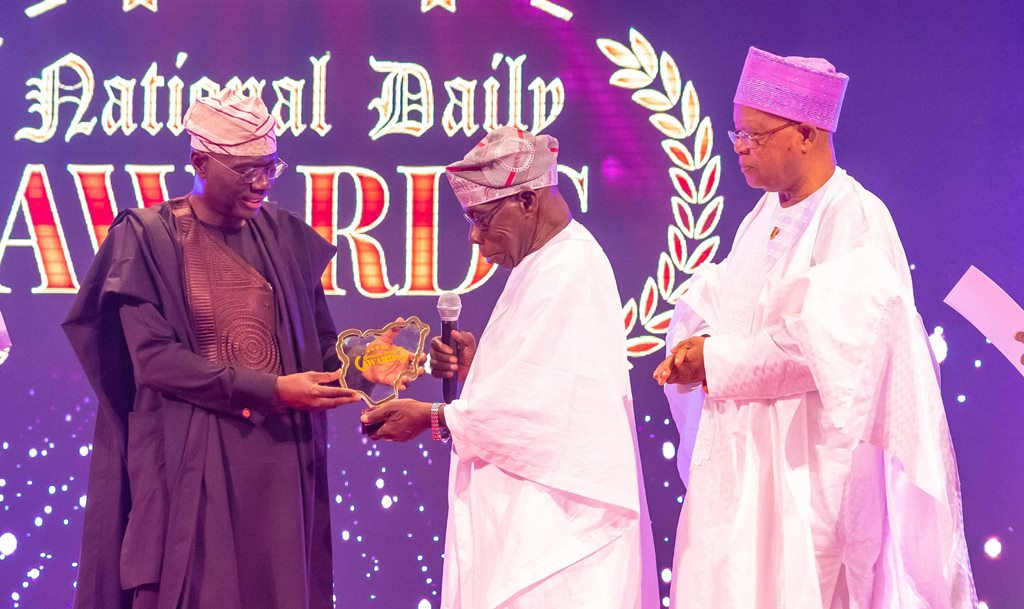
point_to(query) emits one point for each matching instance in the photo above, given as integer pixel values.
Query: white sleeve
(755, 366)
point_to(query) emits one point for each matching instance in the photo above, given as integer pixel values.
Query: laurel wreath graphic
(695, 174)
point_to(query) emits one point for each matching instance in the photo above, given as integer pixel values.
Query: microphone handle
(450, 387)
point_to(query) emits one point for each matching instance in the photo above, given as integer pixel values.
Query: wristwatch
(438, 431)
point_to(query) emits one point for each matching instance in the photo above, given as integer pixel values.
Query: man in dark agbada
(204, 330)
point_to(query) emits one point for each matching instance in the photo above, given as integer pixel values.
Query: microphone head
(449, 305)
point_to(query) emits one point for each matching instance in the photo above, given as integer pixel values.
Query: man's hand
(404, 381)
(443, 362)
(306, 391)
(403, 419)
(384, 361)
(1020, 337)
(684, 365)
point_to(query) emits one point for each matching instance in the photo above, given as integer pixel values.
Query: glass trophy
(378, 363)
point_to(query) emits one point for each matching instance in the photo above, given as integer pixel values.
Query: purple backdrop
(929, 125)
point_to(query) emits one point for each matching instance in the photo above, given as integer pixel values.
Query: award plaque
(378, 363)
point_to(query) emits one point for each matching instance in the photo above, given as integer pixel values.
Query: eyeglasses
(755, 140)
(483, 222)
(250, 176)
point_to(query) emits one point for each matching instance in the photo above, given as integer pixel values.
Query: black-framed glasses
(483, 222)
(754, 140)
(251, 175)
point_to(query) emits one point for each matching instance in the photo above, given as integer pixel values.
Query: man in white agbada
(546, 506)
(821, 473)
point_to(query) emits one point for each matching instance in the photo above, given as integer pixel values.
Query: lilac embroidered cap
(804, 89)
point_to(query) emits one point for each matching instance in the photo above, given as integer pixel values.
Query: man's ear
(809, 135)
(199, 163)
(528, 199)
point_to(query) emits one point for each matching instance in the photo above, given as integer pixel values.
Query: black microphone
(449, 305)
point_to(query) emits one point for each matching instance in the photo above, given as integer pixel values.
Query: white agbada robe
(546, 506)
(821, 473)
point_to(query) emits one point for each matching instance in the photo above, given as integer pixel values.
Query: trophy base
(372, 428)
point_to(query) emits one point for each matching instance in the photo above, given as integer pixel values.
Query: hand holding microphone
(445, 364)
(451, 354)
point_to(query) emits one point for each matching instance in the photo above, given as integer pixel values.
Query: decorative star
(426, 5)
(133, 4)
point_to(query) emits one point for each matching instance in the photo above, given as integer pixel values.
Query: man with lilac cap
(814, 444)
(204, 330)
(545, 500)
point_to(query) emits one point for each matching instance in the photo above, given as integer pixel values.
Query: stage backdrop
(374, 97)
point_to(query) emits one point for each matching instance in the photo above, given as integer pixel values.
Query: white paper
(991, 311)
(5, 338)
